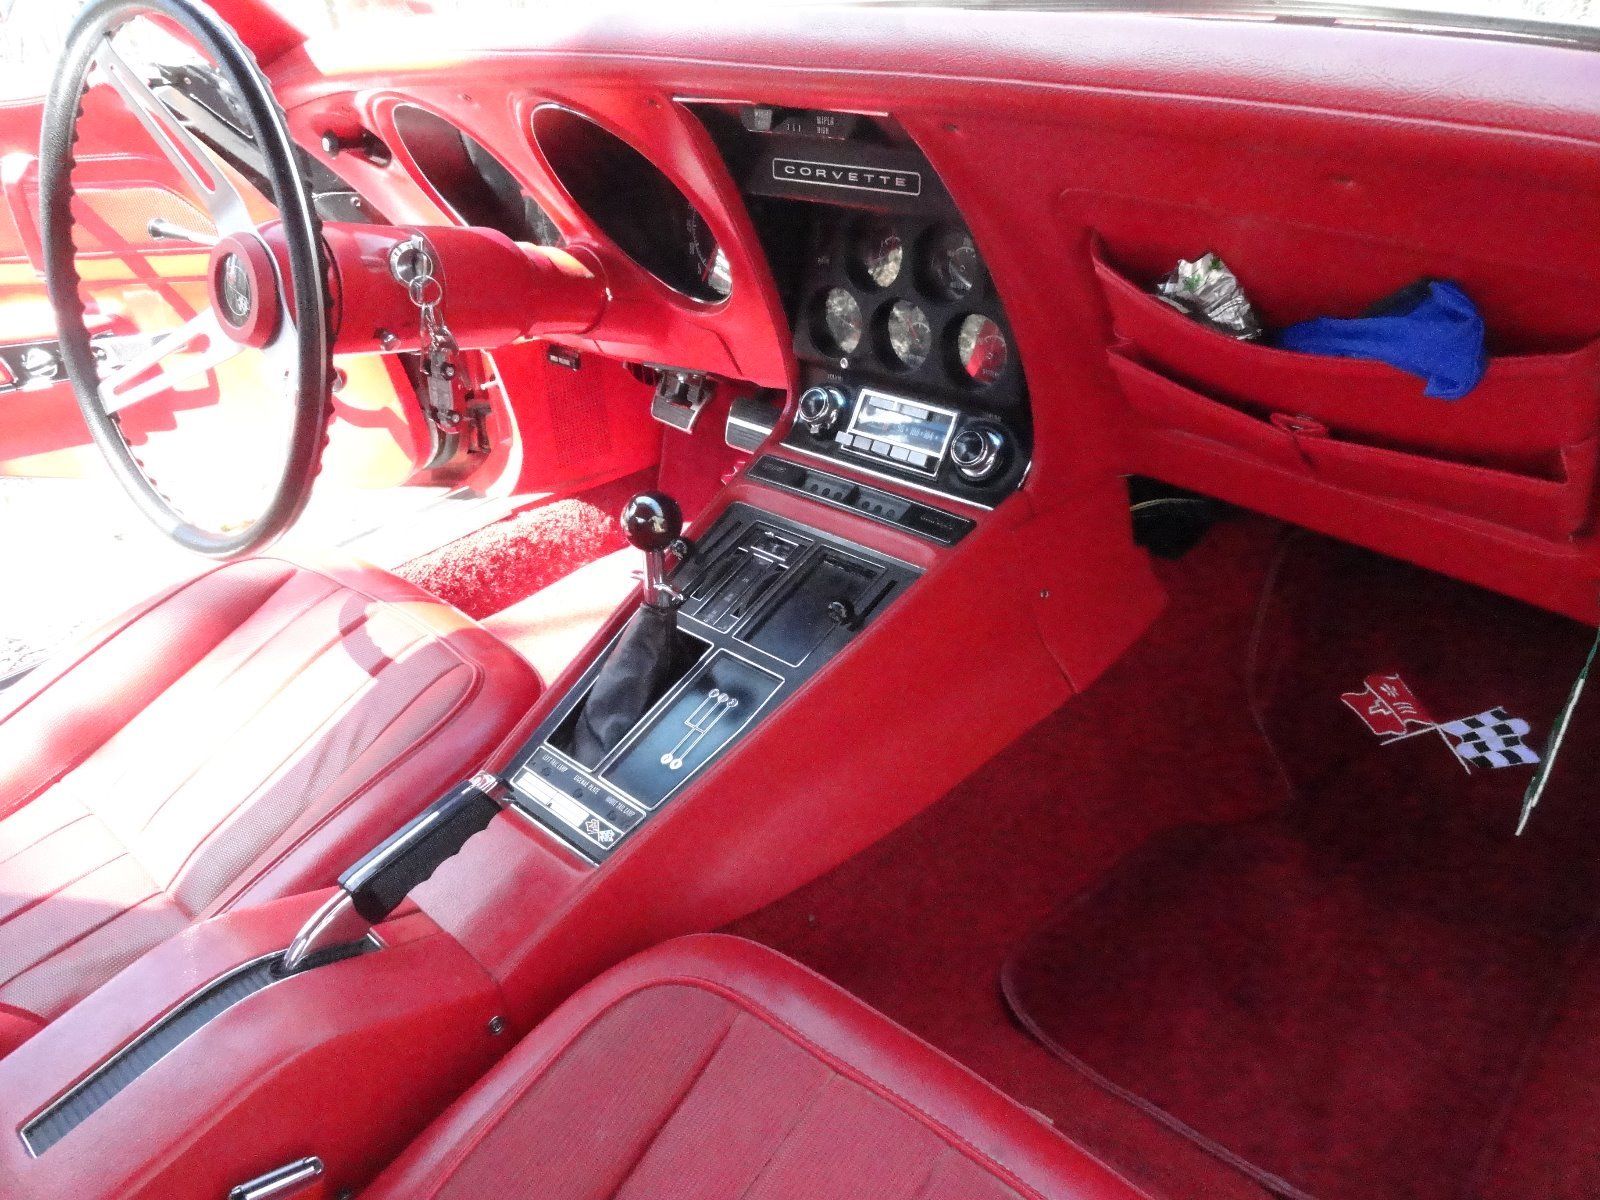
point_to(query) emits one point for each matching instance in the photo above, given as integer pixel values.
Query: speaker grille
(580, 427)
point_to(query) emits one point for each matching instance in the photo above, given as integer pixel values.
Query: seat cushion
(714, 1069)
(242, 736)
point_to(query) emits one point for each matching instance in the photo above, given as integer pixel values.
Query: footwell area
(1345, 996)
(500, 564)
(1262, 952)
(1296, 1012)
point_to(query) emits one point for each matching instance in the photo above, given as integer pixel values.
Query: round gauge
(633, 202)
(879, 253)
(981, 349)
(953, 269)
(908, 333)
(710, 261)
(841, 317)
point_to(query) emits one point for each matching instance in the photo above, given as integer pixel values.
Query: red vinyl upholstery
(242, 736)
(714, 1068)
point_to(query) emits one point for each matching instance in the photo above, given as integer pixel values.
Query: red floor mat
(1346, 996)
(498, 565)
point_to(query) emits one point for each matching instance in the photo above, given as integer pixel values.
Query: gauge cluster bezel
(812, 186)
(629, 199)
(836, 262)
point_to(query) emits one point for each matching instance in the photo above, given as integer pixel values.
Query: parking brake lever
(376, 885)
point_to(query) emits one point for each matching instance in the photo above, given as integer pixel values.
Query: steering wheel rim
(301, 340)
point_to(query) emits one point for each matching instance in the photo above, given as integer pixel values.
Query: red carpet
(496, 566)
(920, 924)
(1378, 889)
(1348, 995)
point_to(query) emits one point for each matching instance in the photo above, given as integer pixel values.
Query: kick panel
(767, 602)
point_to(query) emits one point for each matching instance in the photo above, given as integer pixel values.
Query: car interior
(1015, 623)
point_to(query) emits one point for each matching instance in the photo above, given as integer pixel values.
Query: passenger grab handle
(376, 885)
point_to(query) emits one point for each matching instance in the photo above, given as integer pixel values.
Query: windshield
(31, 30)
(1508, 17)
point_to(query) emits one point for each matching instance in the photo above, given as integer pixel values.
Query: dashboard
(906, 368)
(888, 228)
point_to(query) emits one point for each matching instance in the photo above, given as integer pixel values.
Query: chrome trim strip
(336, 923)
(284, 1181)
(89, 1080)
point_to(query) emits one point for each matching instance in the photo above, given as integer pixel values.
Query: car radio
(892, 429)
(970, 455)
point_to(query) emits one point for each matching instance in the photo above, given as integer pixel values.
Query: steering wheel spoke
(196, 164)
(172, 359)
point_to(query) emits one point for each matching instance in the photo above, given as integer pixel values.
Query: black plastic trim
(99, 1089)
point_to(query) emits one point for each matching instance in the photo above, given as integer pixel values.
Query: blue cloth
(1431, 329)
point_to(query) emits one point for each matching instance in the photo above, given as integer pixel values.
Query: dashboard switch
(822, 410)
(980, 451)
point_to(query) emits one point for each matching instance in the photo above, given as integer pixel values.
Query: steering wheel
(266, 281)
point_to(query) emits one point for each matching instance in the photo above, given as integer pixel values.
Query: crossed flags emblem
(1491, 739)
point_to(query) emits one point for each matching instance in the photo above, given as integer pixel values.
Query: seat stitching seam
(473, 1136)
(932, 1172)
(848, 1071)
(110, 636)
(677, 1105)
(469, 693)
(255, 652)
(800, 1116)
(36, 901)
(395, 607)
(132, 619)
(310, 739)
(840, 1066)
(21, 850)
(126, 910)
(905, 1103)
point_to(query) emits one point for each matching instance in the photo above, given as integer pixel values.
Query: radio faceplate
(896, 430)
(899, 436)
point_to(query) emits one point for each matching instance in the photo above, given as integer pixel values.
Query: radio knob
(822, 410)
(979, 451)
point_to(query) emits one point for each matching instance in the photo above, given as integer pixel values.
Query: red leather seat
(714, 1069)
(242, 736)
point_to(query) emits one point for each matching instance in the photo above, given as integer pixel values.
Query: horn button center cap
(244, 289)
(236, 290)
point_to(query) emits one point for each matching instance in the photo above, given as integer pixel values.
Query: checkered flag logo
(1491, 739)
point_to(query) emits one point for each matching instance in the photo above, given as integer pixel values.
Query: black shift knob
(652, 521)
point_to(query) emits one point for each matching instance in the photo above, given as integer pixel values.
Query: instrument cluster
(907, 363)
(910, 299)
(907, 366)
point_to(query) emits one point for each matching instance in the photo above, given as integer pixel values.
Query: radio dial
(979, 451)
(822, 410)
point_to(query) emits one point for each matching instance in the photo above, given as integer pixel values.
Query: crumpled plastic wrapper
(1206, 290)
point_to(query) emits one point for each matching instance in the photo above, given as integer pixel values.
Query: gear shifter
(653, 522)
(647, 657)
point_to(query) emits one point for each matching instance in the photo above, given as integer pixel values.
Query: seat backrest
(240, 737)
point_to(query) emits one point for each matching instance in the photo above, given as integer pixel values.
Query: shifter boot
(644, 663)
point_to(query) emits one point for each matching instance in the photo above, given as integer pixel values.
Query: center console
(765, 602)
